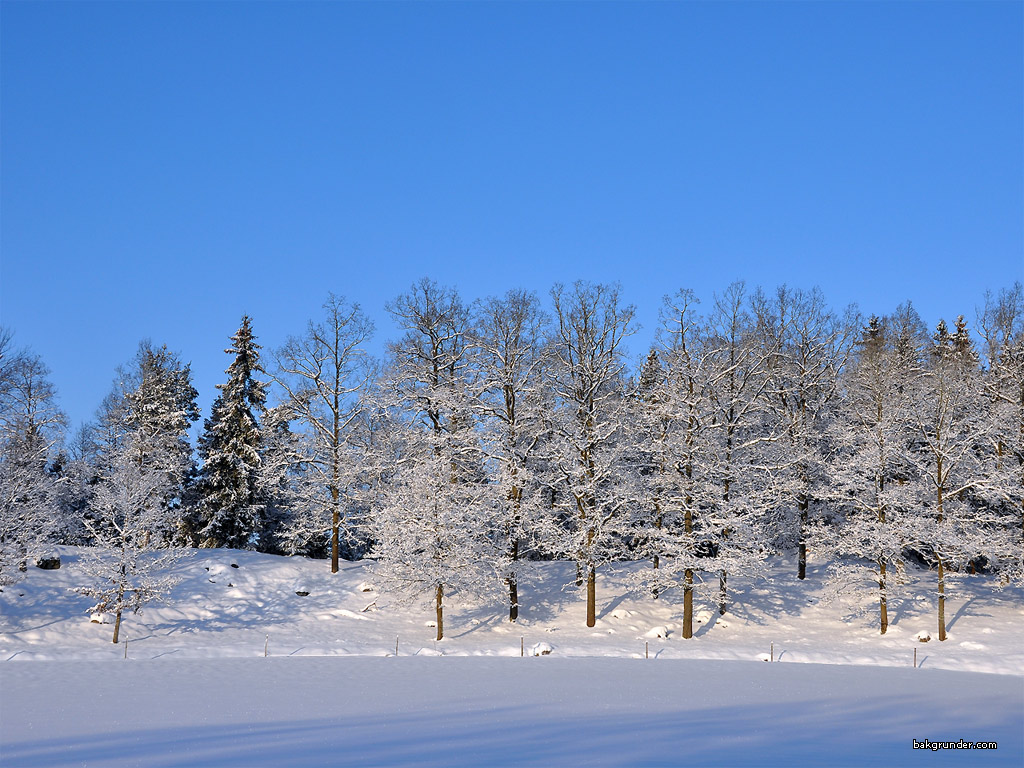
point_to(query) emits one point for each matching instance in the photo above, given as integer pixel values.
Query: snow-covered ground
(197, 690)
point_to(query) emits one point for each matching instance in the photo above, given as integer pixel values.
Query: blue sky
(167, 167)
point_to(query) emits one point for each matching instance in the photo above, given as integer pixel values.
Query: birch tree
(430, 527)
(509, 340)
(322, 374)
(1001, 321)
(949, 428)
(587, 377)
(806, 346)
(31, 426)
(871, 470)
(126, 568)
(736, 384)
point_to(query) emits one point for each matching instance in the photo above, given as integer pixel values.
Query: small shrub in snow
(541, 649)
(923, 636)
(654, 632)
(99, 618)
(366, 587)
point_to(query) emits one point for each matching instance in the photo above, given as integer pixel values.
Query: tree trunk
(802, 563)
(688, 604)
(335, 525)
(513, 598)
(721, 593)
(513, 585)
(657, 560)
(117, 626)
(942, 601)
(882, 603)
(438, 597)
(591, 596)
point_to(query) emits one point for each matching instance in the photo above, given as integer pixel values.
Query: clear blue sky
(167, 167)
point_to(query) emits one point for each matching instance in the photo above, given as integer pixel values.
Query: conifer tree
(231, 499)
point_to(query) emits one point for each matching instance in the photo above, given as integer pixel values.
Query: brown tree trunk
(117, 626)
(942, 601)
(438, 597)
(591, 596)
(688, 604)
(882, 604)
(722, 593)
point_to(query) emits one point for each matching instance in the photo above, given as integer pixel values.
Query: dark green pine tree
(231, 496)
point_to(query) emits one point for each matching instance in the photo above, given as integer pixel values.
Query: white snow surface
(197, 690)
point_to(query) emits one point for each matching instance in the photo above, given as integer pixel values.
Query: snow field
(195, 689)
(473, 712)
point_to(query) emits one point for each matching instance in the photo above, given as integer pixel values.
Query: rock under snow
(654, 632)
(48, 562)
(541, 649)
(366, 587)
(99, 618)
(301, 590)
(923, 636)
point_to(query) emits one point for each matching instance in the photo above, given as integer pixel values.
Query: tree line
(506, 431)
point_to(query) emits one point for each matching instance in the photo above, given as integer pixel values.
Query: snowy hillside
(220, 610)
(834, 693)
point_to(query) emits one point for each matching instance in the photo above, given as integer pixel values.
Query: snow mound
(366, 587)
(764, 657)
(541, 649)
(429, 652)
(923, 636)
(302, 590)
(654, 632)
(620, 613)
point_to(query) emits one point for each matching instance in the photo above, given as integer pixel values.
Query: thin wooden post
(773, 652)
(126, 649)
(522, 646)
(266, 645)
(915, 658)
(396, 645)
(647, 650)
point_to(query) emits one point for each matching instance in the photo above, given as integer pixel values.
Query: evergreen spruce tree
(231, 497)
